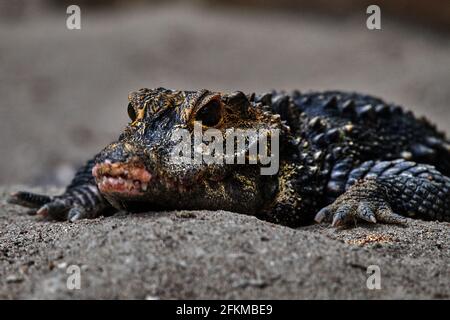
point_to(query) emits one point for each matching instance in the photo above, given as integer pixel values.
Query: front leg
(376, 190)
(81, 199)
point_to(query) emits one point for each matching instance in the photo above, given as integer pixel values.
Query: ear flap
(239, 100)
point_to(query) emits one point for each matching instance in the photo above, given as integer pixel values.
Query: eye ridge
(210, 114)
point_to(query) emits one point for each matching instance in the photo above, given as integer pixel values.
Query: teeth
(122, 177)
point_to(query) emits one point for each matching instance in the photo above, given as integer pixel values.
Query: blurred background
(63, 93)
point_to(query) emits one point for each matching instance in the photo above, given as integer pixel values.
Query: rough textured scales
(218, 254)
(353, 155)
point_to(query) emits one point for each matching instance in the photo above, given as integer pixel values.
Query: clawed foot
(64, 207)
(365, 201)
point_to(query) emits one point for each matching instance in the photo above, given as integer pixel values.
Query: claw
(324, 213)
(43, 211)
(341, 216)
(76, 214)
(365, 212)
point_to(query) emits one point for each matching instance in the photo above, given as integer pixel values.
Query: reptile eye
(210, 114)
(131, 112)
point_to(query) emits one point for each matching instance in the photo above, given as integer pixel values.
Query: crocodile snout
(131, 178)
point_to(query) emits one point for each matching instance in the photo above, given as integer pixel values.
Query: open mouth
(121, 177)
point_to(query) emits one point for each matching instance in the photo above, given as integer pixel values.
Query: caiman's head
(144, 170)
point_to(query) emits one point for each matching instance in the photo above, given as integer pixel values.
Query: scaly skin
(344, 157)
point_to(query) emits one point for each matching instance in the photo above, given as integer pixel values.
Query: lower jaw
(130, 203)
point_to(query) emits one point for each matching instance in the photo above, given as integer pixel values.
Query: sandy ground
(212, 255)
(63, 97)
